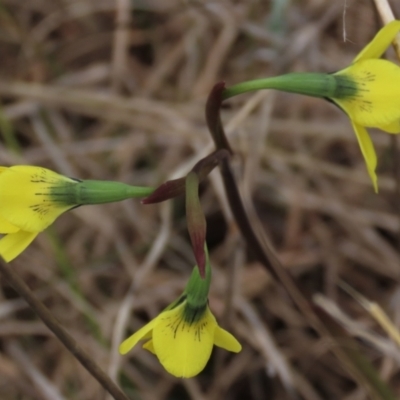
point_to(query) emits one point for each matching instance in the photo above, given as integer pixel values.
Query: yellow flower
(375, 101)
(182, 338)
(29, 202)
(31, 198)
(368, 91)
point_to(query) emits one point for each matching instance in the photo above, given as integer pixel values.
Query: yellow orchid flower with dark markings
(182, 338)
(184, 334)
(376, 101)
(26, 206)
(368, 91)
(31, 198)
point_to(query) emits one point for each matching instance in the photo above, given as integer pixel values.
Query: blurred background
(115, 90)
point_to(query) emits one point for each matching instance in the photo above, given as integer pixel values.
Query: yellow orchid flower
(31, 198)
(28, 205)
(368, 91)
(184, 334)
(182, 338)
(375, 102)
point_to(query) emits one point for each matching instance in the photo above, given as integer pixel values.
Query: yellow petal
(380, 42)
(368, 151)
(142, 333)
(6, 227)
(226, 340)
(15, 243)
(25, 197)
(184, 348)
(149, 346)
(376, 102)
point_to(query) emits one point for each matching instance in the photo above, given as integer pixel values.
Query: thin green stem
(100, 192)
(310, 84)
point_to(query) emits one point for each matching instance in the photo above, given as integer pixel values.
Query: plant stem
(264, 254)
(310, 84)
(362, 371)
(65, 338)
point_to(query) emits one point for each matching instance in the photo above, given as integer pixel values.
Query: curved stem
(262, 251)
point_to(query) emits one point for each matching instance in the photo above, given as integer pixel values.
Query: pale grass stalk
(381, 344)
(256, 141)
(266, 343)
(273, 154)
(219, 50)
(194, 389)
(386, 14)
(376, 311)
(46, 389)
(57, 155)
(304, 387)
(121, 43)
(166, 65)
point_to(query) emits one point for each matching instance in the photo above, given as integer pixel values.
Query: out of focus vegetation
(115, 89)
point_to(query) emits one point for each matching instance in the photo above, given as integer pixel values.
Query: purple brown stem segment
(177, 187)
(166, 191)
(213, 117)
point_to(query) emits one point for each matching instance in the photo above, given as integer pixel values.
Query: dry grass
(94, 90)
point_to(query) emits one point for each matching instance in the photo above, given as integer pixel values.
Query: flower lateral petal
(183, 348)
(142, 333)
(226, 340)
(14, 244)
(380, 42)
(368, 151)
